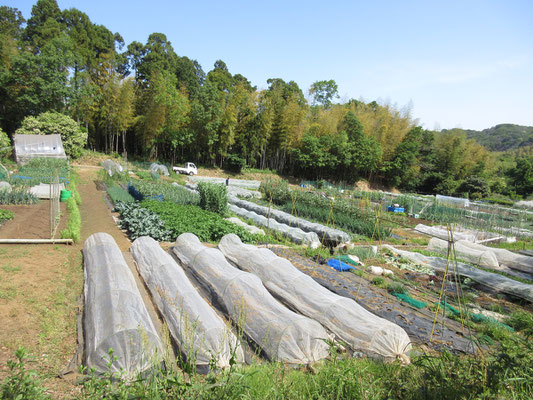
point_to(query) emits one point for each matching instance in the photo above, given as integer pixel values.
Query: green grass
(117, 193)
(5, 215)
(73, 229)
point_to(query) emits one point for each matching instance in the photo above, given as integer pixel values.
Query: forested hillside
(500, 137)
(147, 100)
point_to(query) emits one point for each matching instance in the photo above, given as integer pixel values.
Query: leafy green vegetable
(139, 221)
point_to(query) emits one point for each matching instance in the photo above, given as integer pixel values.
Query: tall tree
(324, 92)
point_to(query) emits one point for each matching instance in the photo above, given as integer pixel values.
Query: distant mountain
(500, 137)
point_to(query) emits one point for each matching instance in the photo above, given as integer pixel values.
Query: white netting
(199, 332)
(362, 330)
(159, 169)
(484, 257)
(112, 167)
(5, 186)
(282, 334)
(294, 234)
(329, 234)
(250, 228)
(115, 315)
(505, 257)
(45, 190)
(461, 233)
(452, 201)
(497, 282)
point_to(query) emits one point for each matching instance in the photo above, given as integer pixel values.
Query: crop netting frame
(55, 210)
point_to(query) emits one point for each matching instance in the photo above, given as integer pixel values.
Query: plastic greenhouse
(34, 146)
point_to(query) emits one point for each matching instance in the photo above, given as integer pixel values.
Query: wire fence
(54, 203)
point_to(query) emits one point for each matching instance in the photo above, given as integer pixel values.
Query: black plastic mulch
(417, 323)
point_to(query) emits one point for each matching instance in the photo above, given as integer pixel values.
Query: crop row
(177, 194)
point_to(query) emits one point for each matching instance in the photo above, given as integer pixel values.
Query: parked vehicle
(188, 169)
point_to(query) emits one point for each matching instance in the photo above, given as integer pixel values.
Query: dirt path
(40, 286)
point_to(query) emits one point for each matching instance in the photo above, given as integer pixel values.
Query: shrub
(213, 197)
(74, 138)
(234, 163)
(5, 145)
(21, 383)
(277, 190)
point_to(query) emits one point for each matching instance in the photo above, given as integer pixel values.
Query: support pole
(36, 241)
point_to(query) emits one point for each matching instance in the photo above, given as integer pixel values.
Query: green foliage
(213, 197)
(73, 229)
(379, 282)
(501, 137)
(522, 176)
(18, 195)
(207, 225)
(143, 175)
(22, 383)
(234, 163)
(73, 137)
(275, 189)
(476, 187)
(41, 170)
(5, 145)
(521, 321)
(323, 92)
(397, 287)
(176, 194)
(117, 193)
(5, 215)
(140, 221)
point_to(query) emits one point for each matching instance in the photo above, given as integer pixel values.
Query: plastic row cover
(497, 282)
(282, 334)
(479, 256)
(362, 330)
(460, 233)
(452, 201)
(250, 228)
(243, 183)
(506, 257)
(32, 146)
(329, 234)
(115, 315)
(159, 169)
(295, 235)
(112, 167)
(45, 190)
(200, 333)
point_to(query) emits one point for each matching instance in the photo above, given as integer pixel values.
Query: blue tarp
(395, 209)
(339, 265)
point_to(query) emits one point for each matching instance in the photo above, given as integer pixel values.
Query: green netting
(479, 318)
(345, 259)
(409, 300)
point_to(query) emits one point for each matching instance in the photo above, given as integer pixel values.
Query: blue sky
(465, 64)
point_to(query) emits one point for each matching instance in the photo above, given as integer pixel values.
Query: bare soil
(40, 285)
(31, 221)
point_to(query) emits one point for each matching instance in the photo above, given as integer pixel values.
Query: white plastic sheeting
(497, 282)
(42, 190)
(452, 201)
(295, 235)
(199, 332)
(112, 167)
(461, 233)
(479, 256)
(159, 169)
(115, 315)
(282, 334)
(505, 257)
(243, 183)
(329, 234)
(33, 146)
(362, 330)
(250, 228)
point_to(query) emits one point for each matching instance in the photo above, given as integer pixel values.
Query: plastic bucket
(65, 194)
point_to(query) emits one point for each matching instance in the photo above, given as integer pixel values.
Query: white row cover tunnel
(115, 315)
(359, 328)
(199, 332)
(282, 334)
